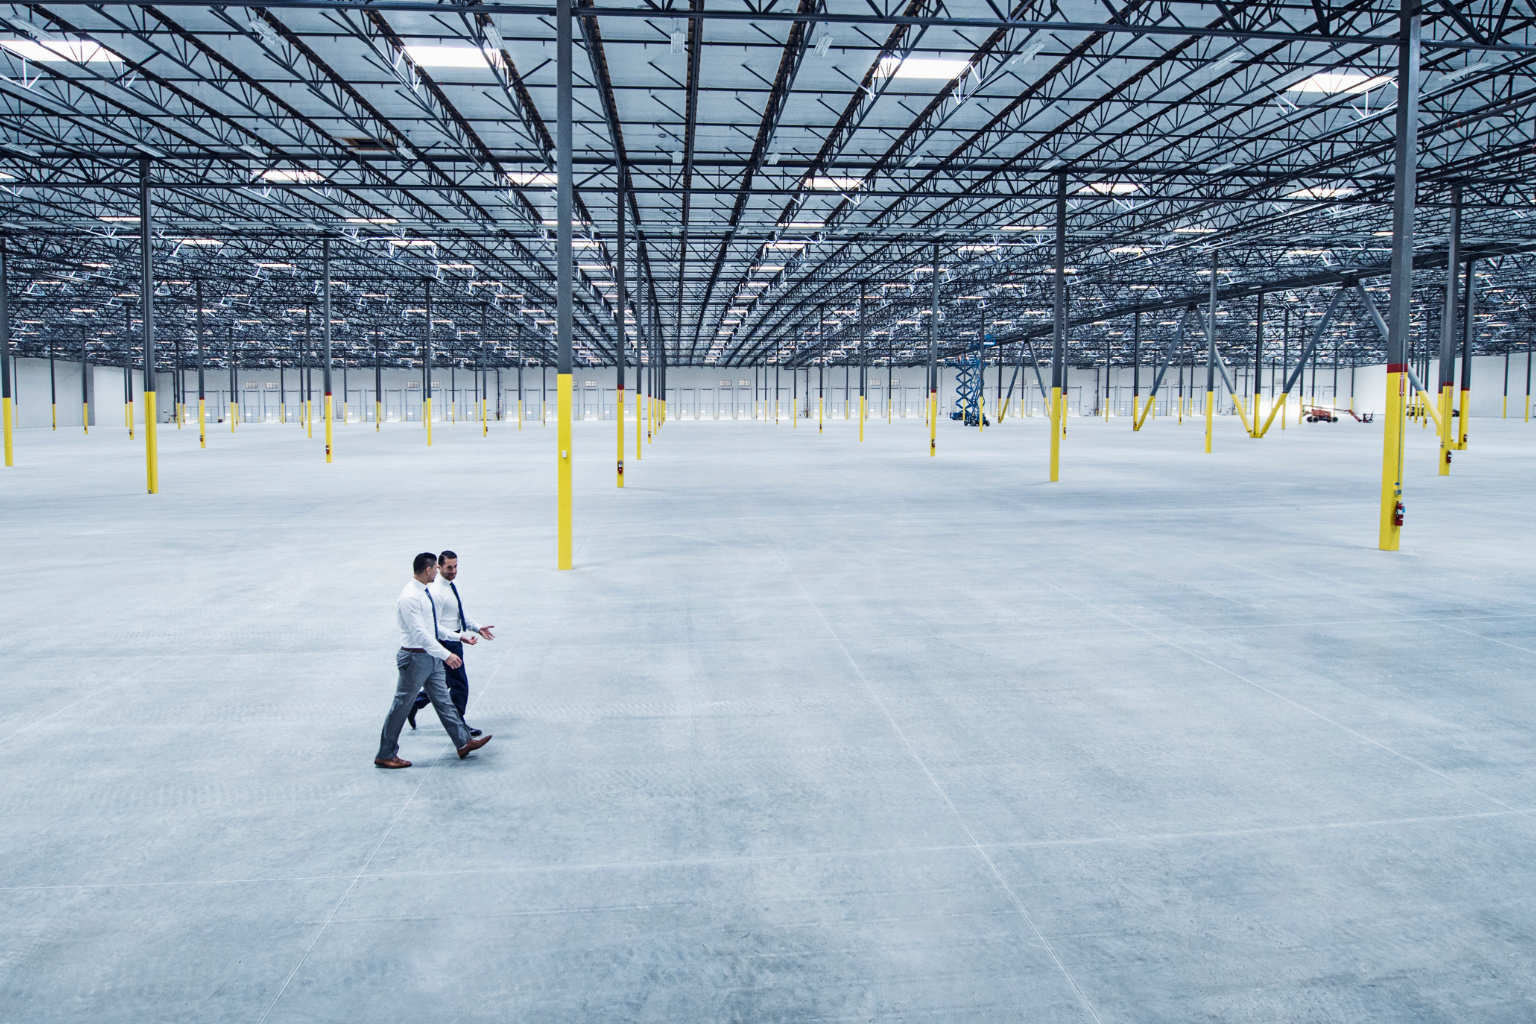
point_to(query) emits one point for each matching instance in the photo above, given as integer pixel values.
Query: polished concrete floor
(814, 731)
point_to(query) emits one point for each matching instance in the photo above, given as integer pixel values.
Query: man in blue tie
(454, 629)
(420, 661)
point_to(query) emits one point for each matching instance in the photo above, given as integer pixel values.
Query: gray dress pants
(419, 670)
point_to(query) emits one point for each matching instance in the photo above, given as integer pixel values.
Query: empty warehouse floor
(814, 731)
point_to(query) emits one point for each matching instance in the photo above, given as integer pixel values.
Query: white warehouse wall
(697, 392)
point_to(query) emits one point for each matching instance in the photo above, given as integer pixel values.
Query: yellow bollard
(1392, 461)
(129, 413)
(933, 421)
(620, 420)
(202, 425)
(427, 416)
(85, 416)
(861, 419)
(1446, 443)
(378, 414)
(328, 412)
(1055, 464)
(1210, 421)
(151, 445)
(1135, 412)
(563, 474)
(10, 453)
(234, 415)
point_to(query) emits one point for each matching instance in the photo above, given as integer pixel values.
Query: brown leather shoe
(472, 746)
(393, 762)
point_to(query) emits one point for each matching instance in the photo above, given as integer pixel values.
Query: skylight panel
(453, 55)
(1336, 83)
(941, 69)
(58, 51)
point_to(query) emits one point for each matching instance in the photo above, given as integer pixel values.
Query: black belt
(415, 650)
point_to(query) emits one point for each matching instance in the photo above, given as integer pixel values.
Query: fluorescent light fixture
(739, 311)
(594, 266)
(978, 247)
(118, 218)
(1321, 192)
(98, 266)
(533, 179)
(290, 176)
(803, 225)
(80, 309)
(907, 323)
(201, 241)
(1306, 252)
(275, 266)
(1190, 229)
(833, 182)
(1023, 227)
(931, 68)
(455, 266)
(1140, 287)
(770, 268)
(583, 243)
(1111, 188)
(456, 55)
(372, 220)
(413, 243)
(1128, 250)
(784, 244)
(56, 51)
(1339, 82)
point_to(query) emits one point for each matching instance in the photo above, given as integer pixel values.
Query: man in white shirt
(454, 629)
(420, 661)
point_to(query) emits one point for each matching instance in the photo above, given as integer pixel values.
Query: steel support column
(563, 281)
(147, 291)
(1404, 159)
(1058, 326)
(933, 359)
(325, 312)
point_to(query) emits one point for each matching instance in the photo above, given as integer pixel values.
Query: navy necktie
(463, 622)
(433, 605)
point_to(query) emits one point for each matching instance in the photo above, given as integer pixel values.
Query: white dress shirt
(413, 613)
(448, 608)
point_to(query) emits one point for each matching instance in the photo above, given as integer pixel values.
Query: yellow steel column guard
(1461, 423)
(1055, 434)
(85, 416)
(1392, 460)
(485, 423)
(427, 415)
(378, 414)
(981, 410)
(234, 415)
(639, 415)
(1278, 407)
(56, 412)
(328, 414)
(821, 403)
(151, 445)
(1447, 443)
(563, 471)
(1210, 412)
(202, 423)
(128, 411)
(620, 419)
(10, 454)
(1135, 412)
(1237, 403)
(933, 421)
(861, 419)
(519, 414)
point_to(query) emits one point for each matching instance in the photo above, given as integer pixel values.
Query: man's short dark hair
(421, 561)
(446, 555)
